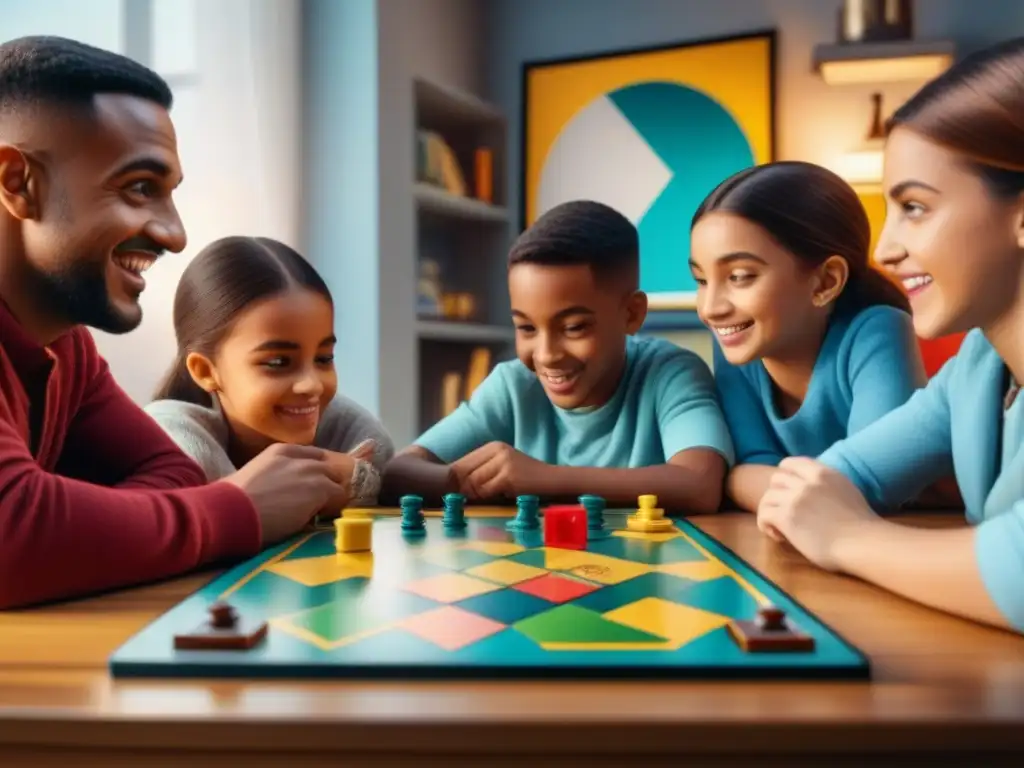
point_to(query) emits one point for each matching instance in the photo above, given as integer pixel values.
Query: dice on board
(565, 527)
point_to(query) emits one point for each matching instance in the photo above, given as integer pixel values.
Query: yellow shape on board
(505, 571)
(679, 623)
(593, 566)
(317, 571)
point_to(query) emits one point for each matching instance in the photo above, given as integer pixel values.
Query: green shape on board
(572, 624)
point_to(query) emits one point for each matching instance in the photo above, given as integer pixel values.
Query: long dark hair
(974, 108)
(814, 214)
(222, 280)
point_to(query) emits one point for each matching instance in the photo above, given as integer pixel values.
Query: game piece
(770, 631)
(565, 527)
(353, 534)
(486, 602)
(223, 631)
(412, 515)
(595, 515)
(527, 514)
(648, 517)
(454, 514)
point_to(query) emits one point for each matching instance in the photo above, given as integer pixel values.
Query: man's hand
(288, 485)
(497, 470)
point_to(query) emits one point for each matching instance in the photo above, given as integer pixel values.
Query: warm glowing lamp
(862, 168)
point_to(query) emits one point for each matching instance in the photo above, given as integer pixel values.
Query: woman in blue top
(813, 344)
(954, 234)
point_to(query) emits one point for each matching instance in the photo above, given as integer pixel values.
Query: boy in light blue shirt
(587, 407)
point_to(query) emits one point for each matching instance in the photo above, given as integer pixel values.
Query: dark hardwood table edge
(525, 737)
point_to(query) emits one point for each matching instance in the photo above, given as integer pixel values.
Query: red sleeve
(111, 441)
(62, 537)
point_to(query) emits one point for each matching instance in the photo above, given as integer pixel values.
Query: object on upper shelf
(484, 172)
(875, 45)
(436, 163)
(862, 21)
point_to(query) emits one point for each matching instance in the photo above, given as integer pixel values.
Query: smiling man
(93, 494)
(587, 408)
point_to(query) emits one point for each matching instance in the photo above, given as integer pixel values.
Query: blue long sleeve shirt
(956, 424)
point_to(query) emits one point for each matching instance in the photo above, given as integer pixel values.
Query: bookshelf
(463, 230)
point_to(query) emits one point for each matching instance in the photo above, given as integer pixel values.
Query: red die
(565, 527)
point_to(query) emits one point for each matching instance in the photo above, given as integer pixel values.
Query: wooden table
(943, 689)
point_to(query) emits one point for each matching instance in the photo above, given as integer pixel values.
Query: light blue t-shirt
(956, 424)
(869, 363)
(665, 403)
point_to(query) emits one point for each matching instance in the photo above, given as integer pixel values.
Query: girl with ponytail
(954, 235)
(254, 325)
(813, 344)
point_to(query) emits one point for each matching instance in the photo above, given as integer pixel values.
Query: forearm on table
(414, 473)
(937, 568)
(746, 484)
(679, 489)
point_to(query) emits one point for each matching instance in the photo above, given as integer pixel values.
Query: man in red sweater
(93, 494)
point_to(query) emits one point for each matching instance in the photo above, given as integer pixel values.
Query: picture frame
(669, 122)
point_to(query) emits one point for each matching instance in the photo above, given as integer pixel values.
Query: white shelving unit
(469, 237)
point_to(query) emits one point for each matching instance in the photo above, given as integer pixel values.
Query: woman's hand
(815, 509)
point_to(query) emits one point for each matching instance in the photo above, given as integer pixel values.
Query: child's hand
(358, 480)
(365, 451)
(496, 469)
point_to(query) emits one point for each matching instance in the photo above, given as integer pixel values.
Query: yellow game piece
(647, 501)
(354, 534)
(648, 518)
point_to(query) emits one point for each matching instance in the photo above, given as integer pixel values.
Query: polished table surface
(941, 687)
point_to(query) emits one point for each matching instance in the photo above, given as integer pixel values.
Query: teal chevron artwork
(649, 133)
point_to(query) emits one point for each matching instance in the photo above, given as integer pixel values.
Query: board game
(487, 601)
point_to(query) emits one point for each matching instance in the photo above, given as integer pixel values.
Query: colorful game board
(489, 602)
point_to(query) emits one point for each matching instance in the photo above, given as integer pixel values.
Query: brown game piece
(225, 631)
(222, 615)
(770, 631)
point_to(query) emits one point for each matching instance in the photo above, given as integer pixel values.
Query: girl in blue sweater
(812, 344)
(954, 234)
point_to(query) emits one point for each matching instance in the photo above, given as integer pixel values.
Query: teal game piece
(527, 514)
(493, 603)
(454, 511)
(412, 515)
(595, 516)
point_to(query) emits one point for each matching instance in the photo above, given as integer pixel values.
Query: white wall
(234, 66)
(97, 22)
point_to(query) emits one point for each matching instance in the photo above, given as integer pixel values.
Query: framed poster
(649, 132)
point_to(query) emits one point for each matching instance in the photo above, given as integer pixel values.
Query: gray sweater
(203, 434)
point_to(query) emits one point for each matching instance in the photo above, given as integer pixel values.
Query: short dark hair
(55, 70)
(582, 232)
